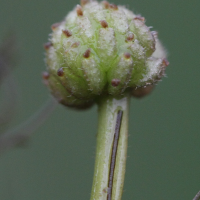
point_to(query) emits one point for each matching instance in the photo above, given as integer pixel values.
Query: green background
(164, 144)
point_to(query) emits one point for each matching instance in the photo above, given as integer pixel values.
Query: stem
(197, 197)
(111, 149)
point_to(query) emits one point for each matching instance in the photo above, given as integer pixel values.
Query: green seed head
(101, 49)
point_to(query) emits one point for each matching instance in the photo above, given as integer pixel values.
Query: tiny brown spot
(55, 26)
(165, 62)
(130, 37)
(67, 33)
(87, 53)
(113, 6)
(60, 72)
(47, 45)
(106, 4)
(75, 44)
(79, 10)
(45, 75)
(83, 2)
(127, 55)
(139, 18)
(115, 82)
(104, 24)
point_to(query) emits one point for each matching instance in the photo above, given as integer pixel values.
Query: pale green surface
(164, 128)
(112, 56)
(107, 110)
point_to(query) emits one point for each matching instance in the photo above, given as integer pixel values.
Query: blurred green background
(164, 144)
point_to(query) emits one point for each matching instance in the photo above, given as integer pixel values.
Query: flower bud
(101, 48)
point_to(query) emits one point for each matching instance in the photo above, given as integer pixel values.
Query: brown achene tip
(139, 18)
(106, 4)
(54, 26)
(79, 10)
(45, 75)
(104, 24)
(87, 53)
(127, 55)
(165, 62)
(115, 82)
(130, 37)
(113, 6)
(67, 33)
(48, 45)
(60, 72)
(83, 2)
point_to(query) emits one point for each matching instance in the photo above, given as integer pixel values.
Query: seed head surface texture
(102, 49)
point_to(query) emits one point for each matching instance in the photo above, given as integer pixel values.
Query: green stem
(105, 186)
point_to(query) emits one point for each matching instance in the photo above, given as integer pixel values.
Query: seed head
(101, 48)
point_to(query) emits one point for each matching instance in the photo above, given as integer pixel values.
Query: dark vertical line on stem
(114, 153)
(197, 197)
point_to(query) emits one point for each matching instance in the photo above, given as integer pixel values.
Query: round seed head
(101, 48)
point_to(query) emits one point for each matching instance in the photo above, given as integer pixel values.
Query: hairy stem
(111, 149)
